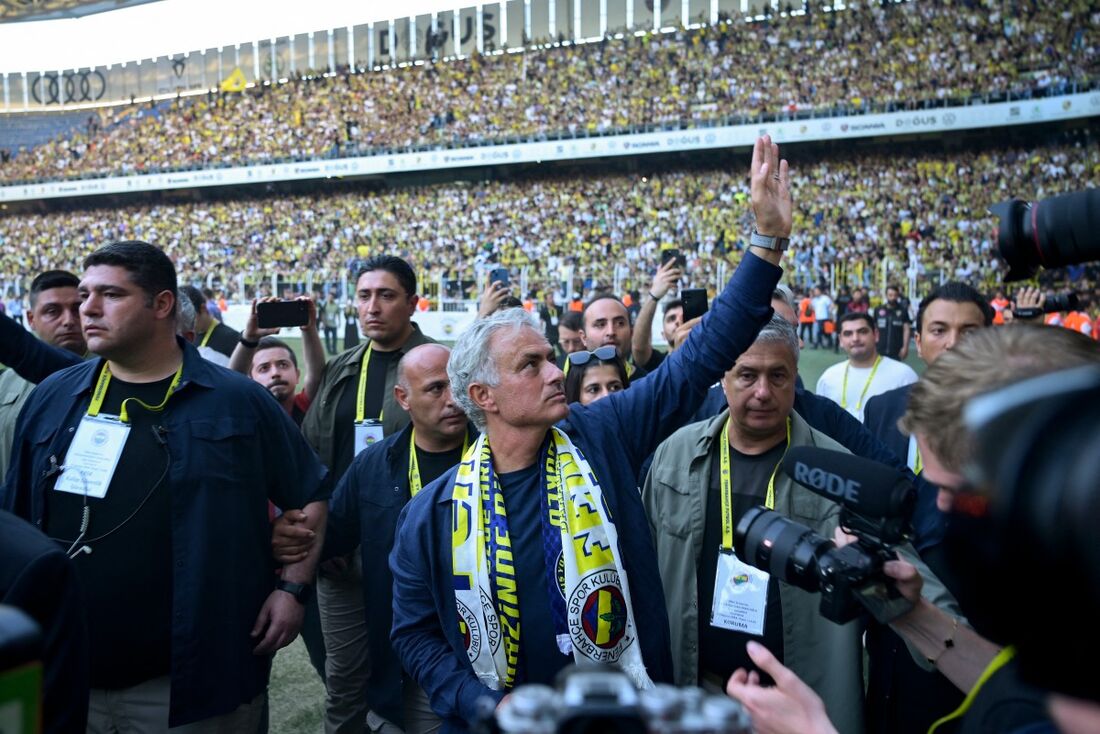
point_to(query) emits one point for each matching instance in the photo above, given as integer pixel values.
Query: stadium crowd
(865, 57)
(928, 210)
(456, 528)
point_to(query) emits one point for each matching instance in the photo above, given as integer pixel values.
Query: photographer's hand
(1028, 298)
(946, 642)
(906, 578)
(788, 707)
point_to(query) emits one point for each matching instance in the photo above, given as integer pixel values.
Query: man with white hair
(541, 528)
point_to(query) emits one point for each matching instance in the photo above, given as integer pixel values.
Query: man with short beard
(55, 317)
(272, 363)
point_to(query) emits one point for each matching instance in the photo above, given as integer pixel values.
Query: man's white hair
(471, 361)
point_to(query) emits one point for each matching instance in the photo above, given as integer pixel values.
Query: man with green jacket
(354, 408)
(702, 480)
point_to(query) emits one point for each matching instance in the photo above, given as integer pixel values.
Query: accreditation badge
(740, 595)
(93, 456)
(367, 433)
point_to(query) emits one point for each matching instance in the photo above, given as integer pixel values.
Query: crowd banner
(937, 121)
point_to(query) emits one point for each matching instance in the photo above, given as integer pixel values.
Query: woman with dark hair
(590, 376)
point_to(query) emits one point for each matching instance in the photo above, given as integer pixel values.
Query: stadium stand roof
(24, 10)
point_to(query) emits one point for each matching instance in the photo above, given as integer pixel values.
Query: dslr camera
(876, 506)
(603, 700)
(1050, 233)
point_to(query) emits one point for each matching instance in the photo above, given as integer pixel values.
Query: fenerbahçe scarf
(589, 596)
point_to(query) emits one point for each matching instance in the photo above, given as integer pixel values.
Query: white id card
(740, 596)
(93, 456)
(553, 320)
(367, 433)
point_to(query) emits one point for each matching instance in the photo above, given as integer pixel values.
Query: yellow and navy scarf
(590, 599)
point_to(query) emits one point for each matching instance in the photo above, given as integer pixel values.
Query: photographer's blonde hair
(983, 361)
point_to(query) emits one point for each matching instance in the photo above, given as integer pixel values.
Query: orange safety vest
(423, 304)
(805, 311)
(1077, 321)
(999, 305)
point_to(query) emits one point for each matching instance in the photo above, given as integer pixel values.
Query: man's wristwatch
(301, 592)
(779, 244)
(248, 342)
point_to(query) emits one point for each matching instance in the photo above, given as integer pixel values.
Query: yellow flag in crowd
(235, 82)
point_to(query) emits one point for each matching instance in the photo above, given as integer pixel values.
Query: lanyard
(124, 415)
(415, 484)
(727, 485)
(361, 399)
(1005, 655)
(914, 460)
(207, 335)
(866, 385)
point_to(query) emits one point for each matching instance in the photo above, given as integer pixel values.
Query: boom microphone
(865, 487)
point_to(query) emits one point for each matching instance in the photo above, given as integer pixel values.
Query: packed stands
(864, 58)
(854, 212)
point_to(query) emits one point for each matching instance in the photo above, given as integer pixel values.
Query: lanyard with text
(415, 485)
(866, 385)
(96, 448)
(361, 396)
(124, 415)
(727, 485)
(740, 601)
(207, 335)
(367, 430)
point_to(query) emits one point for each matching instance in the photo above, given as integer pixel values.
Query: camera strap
(727, 484)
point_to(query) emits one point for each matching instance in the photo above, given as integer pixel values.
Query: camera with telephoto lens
(603, 700)
(876, 505)
(1055, 303)
(1049, 233)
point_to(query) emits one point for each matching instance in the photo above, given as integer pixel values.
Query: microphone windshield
(866, 487)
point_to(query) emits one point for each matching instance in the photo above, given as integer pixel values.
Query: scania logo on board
(69, 87)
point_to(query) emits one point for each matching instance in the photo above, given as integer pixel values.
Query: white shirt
(889, 375)
(821, 305)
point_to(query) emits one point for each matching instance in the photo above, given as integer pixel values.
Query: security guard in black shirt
(892, 321)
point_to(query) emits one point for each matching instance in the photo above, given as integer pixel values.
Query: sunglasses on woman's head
(606, 353)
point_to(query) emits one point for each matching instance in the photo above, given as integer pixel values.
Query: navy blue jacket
(363, 512)
(616, 435)
(31, 358)
(232, 449)
(881, 418)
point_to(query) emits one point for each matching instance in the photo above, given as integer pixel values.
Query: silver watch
(779, 244)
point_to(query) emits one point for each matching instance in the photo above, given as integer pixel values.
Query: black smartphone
(695, 302)
(273, 314)
(672, 253)
(498, 275)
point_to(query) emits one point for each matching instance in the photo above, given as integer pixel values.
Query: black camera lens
(784, 548)
(1059, 302)
(1050, 233)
